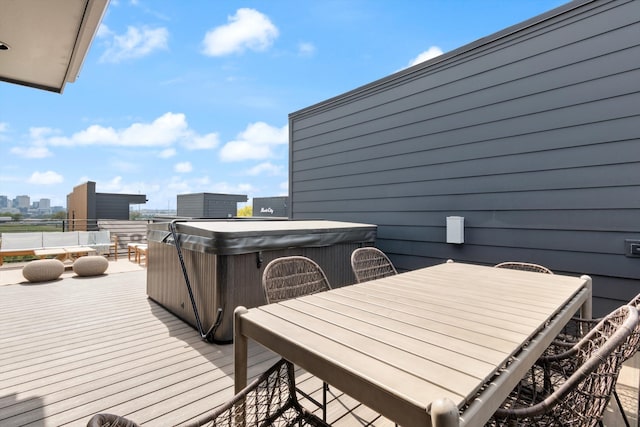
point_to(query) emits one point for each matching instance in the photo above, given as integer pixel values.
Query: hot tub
(224, 261)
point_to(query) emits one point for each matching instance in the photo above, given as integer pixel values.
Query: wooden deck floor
(79, 346)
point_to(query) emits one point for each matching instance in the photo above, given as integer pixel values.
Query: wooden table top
(400, 343)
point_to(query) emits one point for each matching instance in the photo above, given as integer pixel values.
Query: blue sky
(193, 96)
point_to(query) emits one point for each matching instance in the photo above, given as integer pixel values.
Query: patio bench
(57, 243)
(19, 244)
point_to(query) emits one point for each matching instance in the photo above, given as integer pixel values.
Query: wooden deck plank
(79, 346)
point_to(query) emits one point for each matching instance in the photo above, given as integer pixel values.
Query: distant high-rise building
(22, 202)
(4, 202)
(44, 204)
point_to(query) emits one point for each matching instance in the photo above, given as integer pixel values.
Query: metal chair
(578, 327)
(524, 266)
(110, 420)
(370, 263)
(270, 400)
(572, 388)
(291, 277)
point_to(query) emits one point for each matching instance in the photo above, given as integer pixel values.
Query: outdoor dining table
(438, 346)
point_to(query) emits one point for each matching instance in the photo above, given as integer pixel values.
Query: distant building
(270, 206)
(4, 202)
(209, 205)
(85, 206)
(44, 204)
(22, 202)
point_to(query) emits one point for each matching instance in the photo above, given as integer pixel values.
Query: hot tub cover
(233, 237)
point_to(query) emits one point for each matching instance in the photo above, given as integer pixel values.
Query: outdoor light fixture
(4, 46)
(455, 229)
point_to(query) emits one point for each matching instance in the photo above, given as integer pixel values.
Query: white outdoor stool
(92, 265)
(43, 270)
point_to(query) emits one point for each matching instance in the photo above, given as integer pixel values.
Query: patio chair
(524, 266)
(572, 388)
(370, 263)
(270, 400)
(579, 327)
(291, 277)
(110, 420)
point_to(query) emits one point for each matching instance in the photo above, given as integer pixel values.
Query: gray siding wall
(190, 205)
(209, 205)
(112, 206)
(270, 206)
(532, 135)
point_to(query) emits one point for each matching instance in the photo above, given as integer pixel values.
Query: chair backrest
(633, 343)
(582, 399)
(524, 266)
(371, 263)
(576, 386)
(270, 400)
(291, 277)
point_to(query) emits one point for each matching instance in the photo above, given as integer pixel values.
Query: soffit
(48, 40)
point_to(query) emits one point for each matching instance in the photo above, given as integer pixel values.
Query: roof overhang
(48, 40)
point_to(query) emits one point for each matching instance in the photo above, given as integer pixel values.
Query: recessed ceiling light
(4, 46)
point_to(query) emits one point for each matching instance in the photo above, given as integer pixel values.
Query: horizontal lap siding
(534, 138)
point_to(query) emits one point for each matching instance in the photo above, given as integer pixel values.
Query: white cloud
(135, 43)
(112, 186)
(167, 153)
(306, 49)
(118, 185)
(40, 133)
(165, 131)
(266, 168)
(247, 29)
(33, 152)
(4, 127)
(243, 150)
(255, 142)
(183, 167)
(104, 31)
(45, 178)
(204, 142)
(262, 133)
(430, 53)
(124, 166)
(284, 186)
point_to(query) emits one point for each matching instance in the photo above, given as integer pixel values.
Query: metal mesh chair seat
(370, 263)
(572, 388)
(291, 277)
(524, 266)
(270, 400)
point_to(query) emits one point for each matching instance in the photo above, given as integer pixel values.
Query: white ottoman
(91, 265)
(43, 270)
